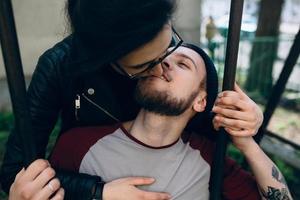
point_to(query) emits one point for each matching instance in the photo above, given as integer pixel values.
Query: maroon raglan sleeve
(238, 183)
(73, 145)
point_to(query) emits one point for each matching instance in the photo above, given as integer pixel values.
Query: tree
(264, 49)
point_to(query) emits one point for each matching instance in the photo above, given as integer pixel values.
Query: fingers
(153, 196)
(239, 90)
(36, 182)
(125, 188)
(235, 124)
(235, 110)
(44, 177)
(233, 100)
(239, 133)
(233, 114)
(34, 169)
(147, 195)
(139, 180)
(20, 174)
(48, 190)
(59, 194)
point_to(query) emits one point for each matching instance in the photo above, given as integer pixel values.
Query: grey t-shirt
(177, 168)
(182, 168)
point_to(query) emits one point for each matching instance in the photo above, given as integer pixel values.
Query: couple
(73, 79)
(156, 145)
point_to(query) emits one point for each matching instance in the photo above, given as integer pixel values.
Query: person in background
(210, 33)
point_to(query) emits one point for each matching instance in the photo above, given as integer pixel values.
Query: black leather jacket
(53, 93)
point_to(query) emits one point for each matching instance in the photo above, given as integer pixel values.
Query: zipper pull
(77, 106)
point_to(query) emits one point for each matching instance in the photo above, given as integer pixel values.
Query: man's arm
(241, 118)
(269, 179)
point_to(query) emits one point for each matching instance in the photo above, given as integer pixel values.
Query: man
(151, 145)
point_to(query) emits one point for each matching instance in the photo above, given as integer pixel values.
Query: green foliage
(2, 195)
(53, 137)
(235, 154)
(6, 121)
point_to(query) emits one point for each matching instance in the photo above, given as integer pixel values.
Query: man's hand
(37, 182)
(237, 113)
(125, 188)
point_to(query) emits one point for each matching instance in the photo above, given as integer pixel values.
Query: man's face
(187, 70)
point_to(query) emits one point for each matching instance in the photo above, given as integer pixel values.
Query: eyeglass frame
(150, 64)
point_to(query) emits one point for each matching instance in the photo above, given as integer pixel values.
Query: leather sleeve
(45, 102)
(79, 186)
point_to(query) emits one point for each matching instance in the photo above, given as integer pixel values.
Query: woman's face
(139, 59)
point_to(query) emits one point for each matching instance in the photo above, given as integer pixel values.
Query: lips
(163, 77)
(167, 77)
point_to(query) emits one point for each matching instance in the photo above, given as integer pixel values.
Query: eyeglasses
(176, 42)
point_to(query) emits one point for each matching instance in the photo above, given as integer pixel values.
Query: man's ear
(200, 103)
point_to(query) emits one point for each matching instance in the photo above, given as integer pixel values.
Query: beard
(162, 103)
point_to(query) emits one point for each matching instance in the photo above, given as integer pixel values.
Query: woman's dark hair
(109, 29)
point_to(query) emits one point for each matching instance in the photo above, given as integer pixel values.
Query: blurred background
(267, 33)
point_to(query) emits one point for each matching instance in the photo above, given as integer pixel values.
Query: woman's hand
(37, 182)
(125, 188)
(237, 113)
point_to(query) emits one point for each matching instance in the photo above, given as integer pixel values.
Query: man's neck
(156, 130)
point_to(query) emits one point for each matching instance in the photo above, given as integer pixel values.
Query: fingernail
(152, 179)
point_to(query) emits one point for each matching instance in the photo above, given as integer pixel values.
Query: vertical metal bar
(233, 38)
(15, 79)
(279, 87)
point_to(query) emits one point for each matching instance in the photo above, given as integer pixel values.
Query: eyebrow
(187, 57)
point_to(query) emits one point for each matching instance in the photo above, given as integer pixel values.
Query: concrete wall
(187, 20)
(40, 24)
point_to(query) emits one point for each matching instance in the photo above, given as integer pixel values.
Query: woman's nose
(157, 70)
(161, 67)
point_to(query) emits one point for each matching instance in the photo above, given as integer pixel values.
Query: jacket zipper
(77, 107)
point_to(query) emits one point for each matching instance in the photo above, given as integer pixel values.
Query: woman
(88, 78)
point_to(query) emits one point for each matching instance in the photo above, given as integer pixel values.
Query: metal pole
(279, 87)
(15, 79)
(236, 11)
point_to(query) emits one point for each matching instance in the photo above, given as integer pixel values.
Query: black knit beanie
(203, 120)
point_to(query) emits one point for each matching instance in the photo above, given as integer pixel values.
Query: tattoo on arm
(276, 194)
(276, 174)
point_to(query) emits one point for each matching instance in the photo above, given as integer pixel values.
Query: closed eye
(184, 65)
